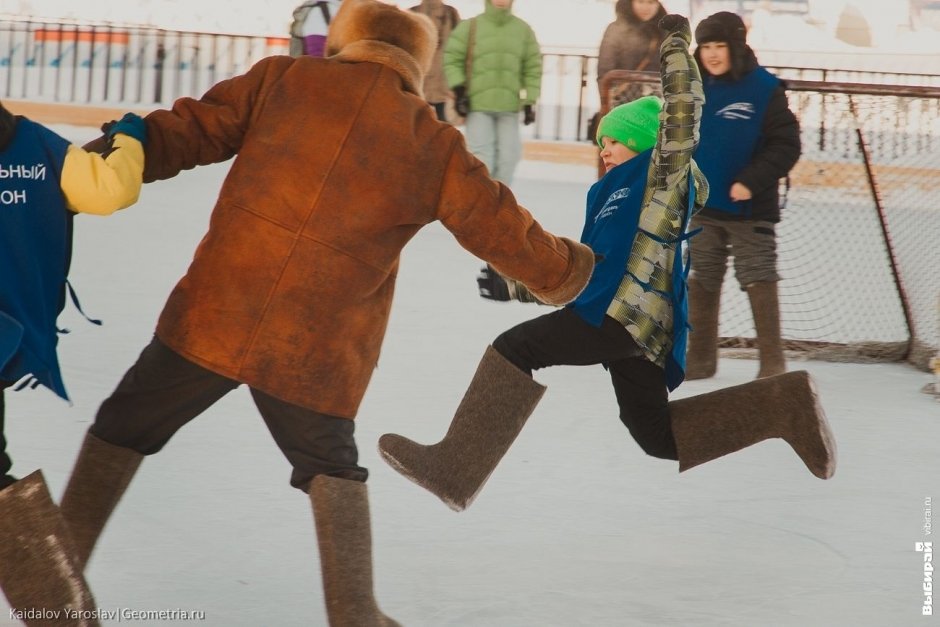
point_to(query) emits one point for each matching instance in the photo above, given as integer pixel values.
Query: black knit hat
(722, 26)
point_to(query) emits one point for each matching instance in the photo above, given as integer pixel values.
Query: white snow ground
(575, 528)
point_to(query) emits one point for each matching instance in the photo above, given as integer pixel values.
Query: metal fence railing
(131, 66)
(142, 67)
(858, 241)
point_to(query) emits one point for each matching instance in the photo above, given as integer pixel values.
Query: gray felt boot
(765, 307)
(494, 409)
(98, 481)
(711, 425)
(344, 535)
(701, 360)
(39, 573)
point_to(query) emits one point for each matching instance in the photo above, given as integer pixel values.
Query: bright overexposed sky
(576, 24)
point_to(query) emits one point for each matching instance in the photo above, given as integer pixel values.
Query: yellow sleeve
(98, 185)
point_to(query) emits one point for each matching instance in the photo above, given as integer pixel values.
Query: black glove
(675, 24)
(461, 101)
(492, 285)
(528, 114)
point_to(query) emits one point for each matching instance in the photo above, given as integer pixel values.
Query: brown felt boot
(701, 359)
(494, 409)
(38, 571)
(711, 425)
(99, 479)
(344, 534)
(765, 306)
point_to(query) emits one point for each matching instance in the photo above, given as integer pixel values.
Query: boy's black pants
(562, 338)
(6, 464)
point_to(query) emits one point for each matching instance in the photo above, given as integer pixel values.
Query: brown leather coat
(338, 163)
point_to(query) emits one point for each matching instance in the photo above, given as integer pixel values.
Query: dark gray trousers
(562, 338)
(163, 391)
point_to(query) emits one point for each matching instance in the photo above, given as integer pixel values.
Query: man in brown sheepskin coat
(339, 161)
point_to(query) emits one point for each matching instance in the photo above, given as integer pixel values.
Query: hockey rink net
(859, 240)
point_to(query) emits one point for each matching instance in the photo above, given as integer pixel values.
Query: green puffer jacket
(506, 61)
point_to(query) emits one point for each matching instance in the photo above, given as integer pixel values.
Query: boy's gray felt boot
(711, 425)
(765, 307)
(493, 411)
(701, 359)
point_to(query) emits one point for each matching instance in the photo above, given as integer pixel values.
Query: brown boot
(99, 479)
(344, 534)
(38, 572)
(765, 306)
(701, 359)
(494, 409)
(711, 425)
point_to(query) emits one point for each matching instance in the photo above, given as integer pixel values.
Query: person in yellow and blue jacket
(44, 181)
(631, 318)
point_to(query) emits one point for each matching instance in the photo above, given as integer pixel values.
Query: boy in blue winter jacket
(631, 318)
(44, 181)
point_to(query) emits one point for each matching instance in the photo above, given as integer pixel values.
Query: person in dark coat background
(445, 19)
(750, 140)
(631, 42)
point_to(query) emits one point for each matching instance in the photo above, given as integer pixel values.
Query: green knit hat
(634, 124)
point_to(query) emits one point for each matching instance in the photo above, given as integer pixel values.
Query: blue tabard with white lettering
(732, 123)
(613, 215)
(35, 250)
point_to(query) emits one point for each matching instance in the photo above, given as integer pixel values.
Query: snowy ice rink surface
(576, 526)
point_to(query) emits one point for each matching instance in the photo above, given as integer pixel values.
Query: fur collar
(368, 30)
(388, 55)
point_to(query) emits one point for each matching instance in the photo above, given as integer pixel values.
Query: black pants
(163, 391)
(562, 338)
(6, 464)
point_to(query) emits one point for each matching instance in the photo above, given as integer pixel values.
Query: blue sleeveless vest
(732, 121)
(35, 251)
(610, 225)
(614, 204)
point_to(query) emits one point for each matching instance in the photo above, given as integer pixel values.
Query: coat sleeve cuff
(580, 268)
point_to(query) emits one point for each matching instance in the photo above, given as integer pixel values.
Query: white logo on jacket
(737, 111)
(609, 207)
